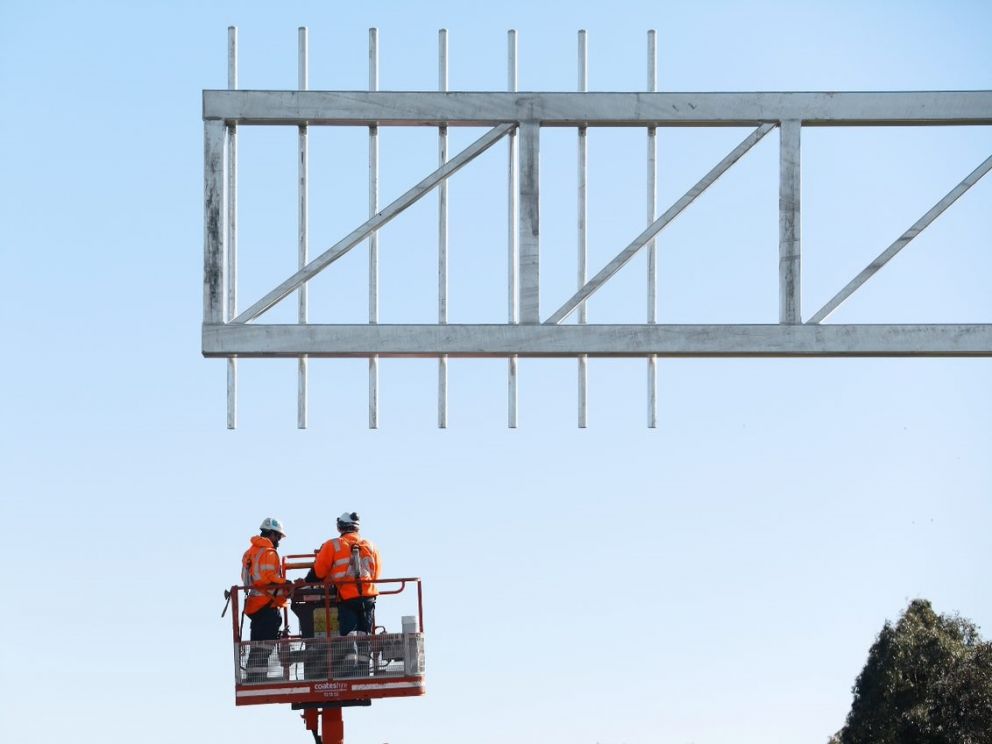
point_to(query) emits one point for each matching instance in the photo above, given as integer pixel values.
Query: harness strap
(356, 567)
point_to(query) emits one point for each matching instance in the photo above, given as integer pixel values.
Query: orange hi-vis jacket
(336, 561)
(261, 572)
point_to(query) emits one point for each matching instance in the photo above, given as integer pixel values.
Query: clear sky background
(717, 579)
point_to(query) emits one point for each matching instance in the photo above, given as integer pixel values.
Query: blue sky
(762, 534)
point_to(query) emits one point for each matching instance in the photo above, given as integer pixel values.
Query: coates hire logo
(330, 687)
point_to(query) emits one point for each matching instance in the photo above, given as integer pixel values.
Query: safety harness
(354, 566)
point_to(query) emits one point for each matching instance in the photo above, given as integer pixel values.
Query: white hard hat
(274, 525)
(348, 519)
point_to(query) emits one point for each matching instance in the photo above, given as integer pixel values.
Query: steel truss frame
(519, 118)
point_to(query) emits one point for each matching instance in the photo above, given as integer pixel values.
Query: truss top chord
(432, 108)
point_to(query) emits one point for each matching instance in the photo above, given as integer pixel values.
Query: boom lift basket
(319, 666)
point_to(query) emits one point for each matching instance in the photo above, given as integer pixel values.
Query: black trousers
(265, 626)
(356, 614)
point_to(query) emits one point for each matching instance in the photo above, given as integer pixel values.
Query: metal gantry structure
(518, 118)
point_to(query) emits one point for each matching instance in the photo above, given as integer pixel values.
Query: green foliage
(928, 680)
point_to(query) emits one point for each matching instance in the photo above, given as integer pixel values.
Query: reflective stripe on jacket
(336, 562)
(261, 572)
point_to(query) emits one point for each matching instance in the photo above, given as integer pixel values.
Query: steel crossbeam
(601, 340)
(473, 109)
(520, 117)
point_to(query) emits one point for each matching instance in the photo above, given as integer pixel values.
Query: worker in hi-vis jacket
(352, 563)
(265, 594)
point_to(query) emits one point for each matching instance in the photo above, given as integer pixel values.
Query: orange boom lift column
(319, 672)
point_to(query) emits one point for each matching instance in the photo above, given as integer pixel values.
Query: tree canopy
(928, 680)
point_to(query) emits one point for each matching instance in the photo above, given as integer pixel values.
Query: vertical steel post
(374, 237)
(232, 227)
(530, 222)
(214, 221)
(652, 194)
(442, 235)
(512, 227)
(303, 380)
(789, 248)
(582, 206)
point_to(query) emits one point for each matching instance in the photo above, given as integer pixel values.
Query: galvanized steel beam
(231, 265)
(652, 198)
(374, 234)
(773, 340)
(303, 222)
(512, 230)
(582, 210)
(789, 255)
(429, 108)
(442, 234)
(214, 221)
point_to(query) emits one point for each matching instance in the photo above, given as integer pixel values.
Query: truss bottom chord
(600, 340)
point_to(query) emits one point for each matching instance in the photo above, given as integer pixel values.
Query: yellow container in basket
(325, 621)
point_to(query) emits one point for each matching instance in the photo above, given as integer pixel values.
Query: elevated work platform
(319, 671)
